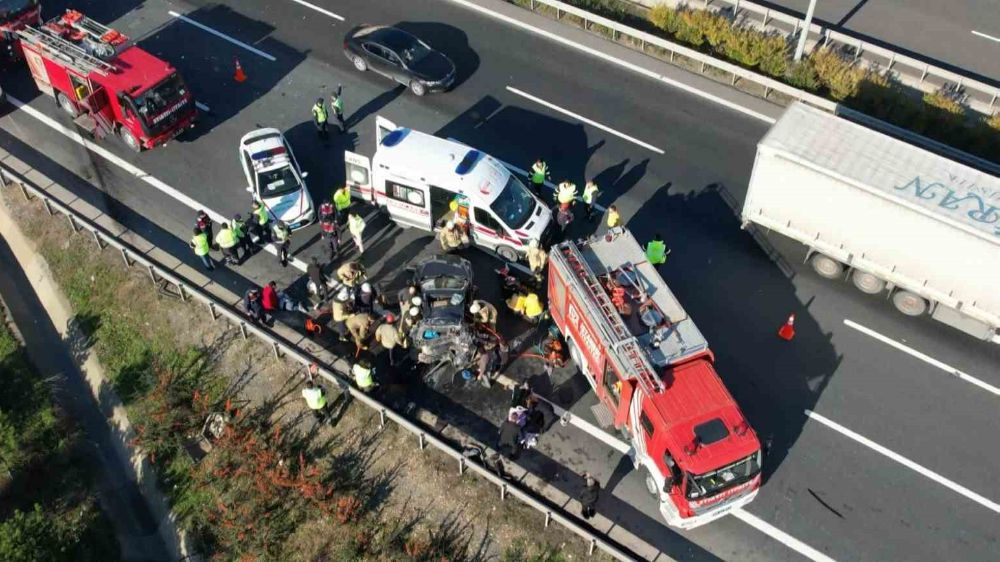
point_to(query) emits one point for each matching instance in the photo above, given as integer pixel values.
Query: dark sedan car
(399, 55)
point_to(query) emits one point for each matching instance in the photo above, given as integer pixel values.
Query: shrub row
(942, 115)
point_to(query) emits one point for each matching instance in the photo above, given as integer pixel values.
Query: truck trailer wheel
(826, 266)
(866, 282)
(910, 304)
(66, 105)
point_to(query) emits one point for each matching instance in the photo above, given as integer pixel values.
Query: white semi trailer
(894, 217)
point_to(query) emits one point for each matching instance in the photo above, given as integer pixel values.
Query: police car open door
(358, 170)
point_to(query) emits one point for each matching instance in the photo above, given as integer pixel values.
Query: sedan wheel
(359, 63)
(418, 88)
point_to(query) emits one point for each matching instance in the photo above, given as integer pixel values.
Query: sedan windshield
(277, 182)
(414, 53)
(711, 483)
(514, 205)
(442, 282)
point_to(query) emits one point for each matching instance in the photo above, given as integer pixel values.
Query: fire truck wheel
(66, 105)
(507, 253)
(359, 63)
(129, 139)
(651, 485)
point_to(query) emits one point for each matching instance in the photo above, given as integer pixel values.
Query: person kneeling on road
(273, 300)
(364, 375)
(527, 305)
(316, 400)
(254, 307)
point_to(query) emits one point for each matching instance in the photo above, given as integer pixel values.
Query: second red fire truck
(15, 15)
(652, 368)
(107, 84)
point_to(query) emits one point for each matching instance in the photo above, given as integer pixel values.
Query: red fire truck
(15, 15)
(652, 368)
(107, 84)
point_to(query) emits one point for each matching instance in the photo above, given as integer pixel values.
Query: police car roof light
(468, 162)
(395, 137)
(270, 153)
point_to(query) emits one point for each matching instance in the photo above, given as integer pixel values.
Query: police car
(275, 178)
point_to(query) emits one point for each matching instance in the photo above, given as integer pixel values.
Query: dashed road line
(323, 11)
(583, 119)
(957, 488)
(985, 36)
(617, 61)
(780, 536)
(135, 172)
(202, 107)
(222, 35)
(960, 375)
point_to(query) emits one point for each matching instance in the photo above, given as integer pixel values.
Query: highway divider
(285, 342)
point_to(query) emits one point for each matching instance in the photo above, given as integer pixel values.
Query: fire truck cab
(652, 368)
(15, 15)
(107, 84)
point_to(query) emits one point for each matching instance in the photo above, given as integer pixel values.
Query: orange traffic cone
(240, 76)
(787, 330)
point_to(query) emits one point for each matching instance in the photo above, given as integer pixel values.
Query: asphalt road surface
(964, 34)
(896, 462)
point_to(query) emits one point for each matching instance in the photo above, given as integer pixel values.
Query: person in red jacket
(272, 299)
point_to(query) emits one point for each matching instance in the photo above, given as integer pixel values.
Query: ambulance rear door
(407, 202)
(358, 169)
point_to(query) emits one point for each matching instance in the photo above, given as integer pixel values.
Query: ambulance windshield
(514, 205)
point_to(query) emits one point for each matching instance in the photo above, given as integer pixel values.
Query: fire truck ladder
(100, 36)
(627, 344)
(69, 54)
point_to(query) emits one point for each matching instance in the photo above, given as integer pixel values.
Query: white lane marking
(614, 60)
(926, 359)
(525, 173)
(318, 9)
(579, 117)
(134, 171)
(780, 536)
(958, 488)
(222, 35)
(990, 37)
(202, 107)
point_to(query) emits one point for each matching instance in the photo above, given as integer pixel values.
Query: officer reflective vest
(200, 243)
(319, 112)
(362, 376)
(226, 238)
(589, 192)
(239, 228)
(281, 233)
(614, 219)
(315, 398)
(337, 103)
(262, 216)
(356, 224)
(656, 252)
(566, 192)
(538, 172)
(532, 306)
(342, 198)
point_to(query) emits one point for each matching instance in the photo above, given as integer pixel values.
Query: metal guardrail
(131, 256)
(675, 49)
(920, 76)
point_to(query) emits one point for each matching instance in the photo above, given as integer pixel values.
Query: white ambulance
(415, 177)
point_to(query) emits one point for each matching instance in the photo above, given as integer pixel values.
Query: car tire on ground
(129, 139)
(359, 63)
(66, 105)
(417, 88)
(910, 304)
(826, 266)
(507, 253)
